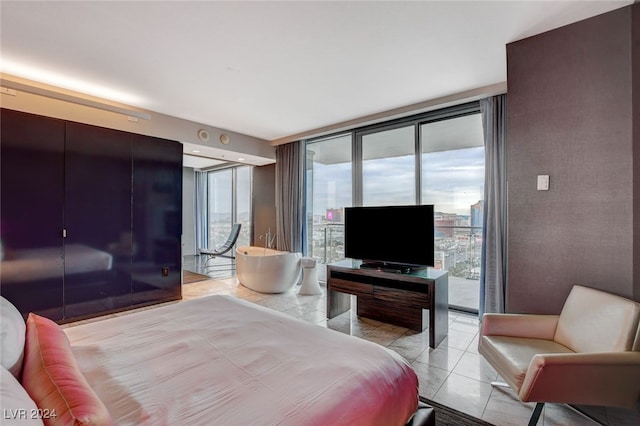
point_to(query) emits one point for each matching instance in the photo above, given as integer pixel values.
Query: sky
(452, 181)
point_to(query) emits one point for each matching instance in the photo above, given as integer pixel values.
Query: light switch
(543, 182)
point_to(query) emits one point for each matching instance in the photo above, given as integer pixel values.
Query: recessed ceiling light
(195, 150)
(203, 135)
(240, 159)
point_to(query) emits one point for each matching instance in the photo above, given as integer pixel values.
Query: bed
(43, 279)
(222, 360)
(38, 264)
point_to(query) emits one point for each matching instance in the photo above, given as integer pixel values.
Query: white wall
(188, 212)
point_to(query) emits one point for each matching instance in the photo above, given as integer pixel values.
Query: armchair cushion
(595, 321)
(511, 356)
(520, 325)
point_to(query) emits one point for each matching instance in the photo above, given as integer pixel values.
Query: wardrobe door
(31, 179)
(157, 219)
(98, 246)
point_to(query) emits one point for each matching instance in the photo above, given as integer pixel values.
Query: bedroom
(554, 227)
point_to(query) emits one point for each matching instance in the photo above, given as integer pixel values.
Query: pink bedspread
(223, 361)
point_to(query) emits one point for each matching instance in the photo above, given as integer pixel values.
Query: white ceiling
(273, 69)
(197, 162)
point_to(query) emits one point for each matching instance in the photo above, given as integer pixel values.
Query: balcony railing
(458, 249)
(326, 242)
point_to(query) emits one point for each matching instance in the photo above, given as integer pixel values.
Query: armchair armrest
(603, 378)
(519, 325)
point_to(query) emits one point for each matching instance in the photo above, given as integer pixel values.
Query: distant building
(444, 228)
(462, 220)
(477, 214)
(335, 215)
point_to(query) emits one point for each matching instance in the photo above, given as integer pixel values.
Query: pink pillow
(53, 380)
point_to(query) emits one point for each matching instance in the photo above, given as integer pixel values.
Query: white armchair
(589, 354)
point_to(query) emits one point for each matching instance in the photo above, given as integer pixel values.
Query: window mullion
(418, 153)
(356, 141)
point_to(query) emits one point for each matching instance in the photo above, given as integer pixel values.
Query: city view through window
(229, 202)
(452, 179)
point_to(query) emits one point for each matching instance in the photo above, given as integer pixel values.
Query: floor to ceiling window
(229, 202)
(329, 191)
(432, 158)
(220, 214)
(453, 181)
(388, 167)
(243, 204)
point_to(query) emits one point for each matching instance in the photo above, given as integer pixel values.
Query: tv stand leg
(337, 303)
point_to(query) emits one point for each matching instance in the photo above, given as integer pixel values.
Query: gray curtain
(289, 196)
(202, 230)
(494, 245)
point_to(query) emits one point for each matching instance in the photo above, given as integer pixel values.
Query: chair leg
(536, 414)
(585, 414)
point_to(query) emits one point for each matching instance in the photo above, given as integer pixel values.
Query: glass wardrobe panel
(157, 220)
(31, 209)
(97, 220)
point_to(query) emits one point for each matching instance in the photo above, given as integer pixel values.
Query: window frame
(417, 121)
(234, 195)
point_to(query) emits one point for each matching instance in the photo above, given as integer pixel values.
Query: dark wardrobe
(90, 218)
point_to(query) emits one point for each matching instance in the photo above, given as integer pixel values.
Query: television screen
(390, 235)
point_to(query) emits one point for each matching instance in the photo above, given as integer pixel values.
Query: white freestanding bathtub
(267, 270)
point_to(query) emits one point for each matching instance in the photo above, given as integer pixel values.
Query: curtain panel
(289, 196)
(493, 284)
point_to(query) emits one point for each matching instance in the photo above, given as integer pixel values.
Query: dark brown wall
(570, 117)
(636, 146)
(264, 202)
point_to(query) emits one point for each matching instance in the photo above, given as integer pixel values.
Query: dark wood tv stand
(396, 298)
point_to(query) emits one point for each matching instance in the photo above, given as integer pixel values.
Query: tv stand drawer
(351, 287)
(402, 297)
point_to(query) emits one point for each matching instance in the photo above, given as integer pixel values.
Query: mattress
(43, 263)
(222, 360)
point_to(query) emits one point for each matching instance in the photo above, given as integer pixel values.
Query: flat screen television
(390, 237)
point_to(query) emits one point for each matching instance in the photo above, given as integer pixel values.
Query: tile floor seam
(458, 362)
(487, 404)
(435, 394)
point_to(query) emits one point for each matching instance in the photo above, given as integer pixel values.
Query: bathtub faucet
(268, 238)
